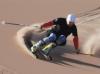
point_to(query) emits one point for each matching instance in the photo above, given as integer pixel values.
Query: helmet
(70, 18)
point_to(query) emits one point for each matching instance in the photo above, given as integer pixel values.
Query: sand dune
(14, 59)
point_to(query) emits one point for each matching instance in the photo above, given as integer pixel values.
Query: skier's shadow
(59, 59)
(57, 54)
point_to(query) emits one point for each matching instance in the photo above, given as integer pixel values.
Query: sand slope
(15, 61)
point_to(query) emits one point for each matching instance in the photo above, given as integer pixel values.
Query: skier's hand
(77, 51)
(41, 28)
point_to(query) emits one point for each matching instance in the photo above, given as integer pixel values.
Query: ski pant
(61, 40)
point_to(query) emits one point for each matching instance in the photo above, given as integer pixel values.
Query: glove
(77, 51)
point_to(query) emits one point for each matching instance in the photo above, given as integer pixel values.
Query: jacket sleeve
(76, 42)
(48, 24)
(51, 23)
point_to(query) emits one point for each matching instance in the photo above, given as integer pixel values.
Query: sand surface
(14, 61)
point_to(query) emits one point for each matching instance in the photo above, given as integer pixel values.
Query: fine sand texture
(14, 59)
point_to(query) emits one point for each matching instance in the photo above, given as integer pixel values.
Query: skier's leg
(46, 40)
(61, 40)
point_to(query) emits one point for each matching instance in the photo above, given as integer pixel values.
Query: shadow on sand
(61, 60)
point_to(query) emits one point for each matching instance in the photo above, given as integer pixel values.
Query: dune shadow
(61, 60)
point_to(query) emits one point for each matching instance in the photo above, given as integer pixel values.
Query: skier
(61, 29)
